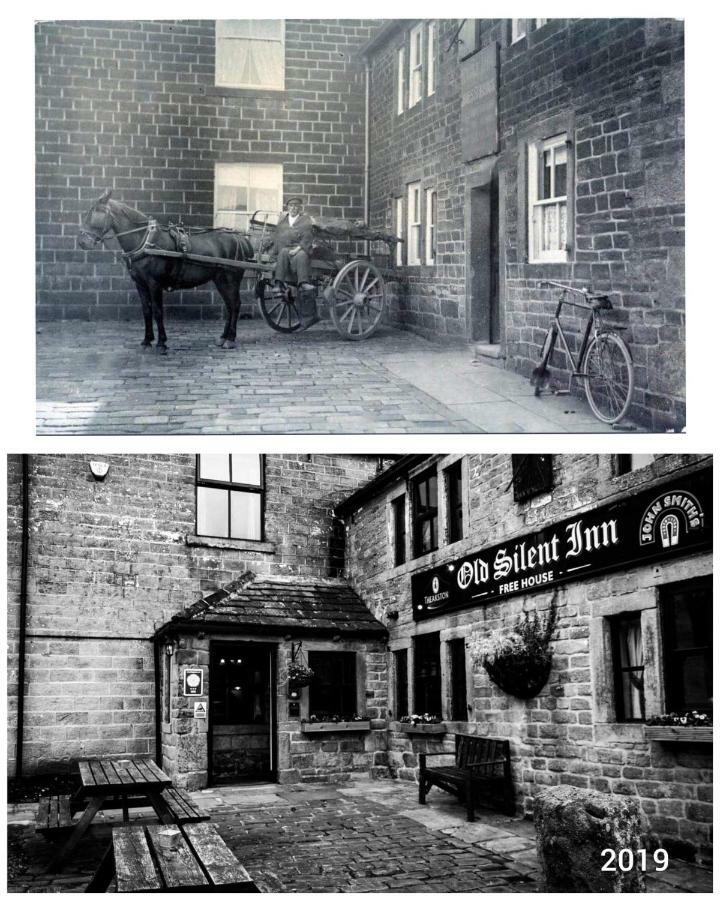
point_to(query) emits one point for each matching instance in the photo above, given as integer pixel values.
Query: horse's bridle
(107, 227)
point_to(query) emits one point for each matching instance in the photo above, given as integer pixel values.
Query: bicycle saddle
(600, 301)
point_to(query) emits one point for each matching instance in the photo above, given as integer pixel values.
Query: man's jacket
(300, 234)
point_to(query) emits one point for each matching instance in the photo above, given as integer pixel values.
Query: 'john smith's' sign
(654, 524)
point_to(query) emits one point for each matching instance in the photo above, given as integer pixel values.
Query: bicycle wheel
(610, 378)
(540, 376)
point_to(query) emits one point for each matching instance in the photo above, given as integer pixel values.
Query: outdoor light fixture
(169, 649)
(99, 469)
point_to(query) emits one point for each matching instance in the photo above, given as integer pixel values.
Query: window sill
(244, 93)
(201, 540)
(666, 733)
(314, 727)
(407, 728)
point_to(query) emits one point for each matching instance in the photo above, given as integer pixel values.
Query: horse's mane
(134, 215)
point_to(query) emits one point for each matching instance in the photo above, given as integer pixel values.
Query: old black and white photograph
(311, 226)
(360, 673)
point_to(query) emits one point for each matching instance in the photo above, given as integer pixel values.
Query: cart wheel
(280, 312)
(359, 299)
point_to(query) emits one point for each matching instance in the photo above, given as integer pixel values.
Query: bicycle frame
(575, 373)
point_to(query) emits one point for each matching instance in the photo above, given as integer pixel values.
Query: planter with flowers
(300, 674)
(334, 723)
(422, 724)
(692, 727)
(518, 663)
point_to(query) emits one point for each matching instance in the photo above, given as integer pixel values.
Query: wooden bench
(481, 771)
(54, 815)
(182, 806)
(201, 861)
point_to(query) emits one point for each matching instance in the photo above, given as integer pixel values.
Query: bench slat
(54, 813)
(178, 867)
(216, 857)
(182, 806)
(134, 867)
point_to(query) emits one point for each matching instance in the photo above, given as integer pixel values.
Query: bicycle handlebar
(584, 292)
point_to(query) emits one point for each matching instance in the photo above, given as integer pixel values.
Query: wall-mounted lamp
(169, 649)
(99, 469)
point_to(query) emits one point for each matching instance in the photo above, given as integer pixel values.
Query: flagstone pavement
(360, 836)
(94, 378)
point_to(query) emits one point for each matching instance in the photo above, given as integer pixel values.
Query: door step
(490, 354)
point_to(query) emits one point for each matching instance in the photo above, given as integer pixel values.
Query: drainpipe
(367, 150)
(25, 543)
(158, 704)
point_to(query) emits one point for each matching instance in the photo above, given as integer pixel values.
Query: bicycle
(604, 360)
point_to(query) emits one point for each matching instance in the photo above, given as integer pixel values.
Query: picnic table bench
(481, 770)
(200, 861)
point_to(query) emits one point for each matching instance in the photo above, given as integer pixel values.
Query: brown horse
(154, 274)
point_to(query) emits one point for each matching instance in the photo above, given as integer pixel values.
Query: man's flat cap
(296, 199)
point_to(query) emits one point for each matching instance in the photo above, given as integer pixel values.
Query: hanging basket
(520, 674)
(300, 674)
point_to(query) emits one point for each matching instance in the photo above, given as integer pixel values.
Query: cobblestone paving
(93, 378)
(362, 837)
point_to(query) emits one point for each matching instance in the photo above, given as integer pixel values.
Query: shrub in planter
(518, 663)
(299, 674)
(692, 719)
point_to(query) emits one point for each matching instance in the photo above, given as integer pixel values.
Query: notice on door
(192, 682)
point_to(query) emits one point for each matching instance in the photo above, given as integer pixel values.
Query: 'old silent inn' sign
(651, 525)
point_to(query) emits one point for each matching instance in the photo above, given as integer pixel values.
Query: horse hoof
(146, 345)
(162, 349)
(220, 342)
(228, 345)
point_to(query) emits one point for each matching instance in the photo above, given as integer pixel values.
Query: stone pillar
(573, 826)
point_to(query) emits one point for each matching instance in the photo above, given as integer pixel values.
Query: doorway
(483, 262)
(242, 733)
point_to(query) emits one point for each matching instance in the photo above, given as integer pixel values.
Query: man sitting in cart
(293, 243)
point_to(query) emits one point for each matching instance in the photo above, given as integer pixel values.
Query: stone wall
(567, 734)
(132, 105)
(112, 561)
(616, 87)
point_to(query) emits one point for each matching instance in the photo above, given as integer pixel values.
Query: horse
(153, 274)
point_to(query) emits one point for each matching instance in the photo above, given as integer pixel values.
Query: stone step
(490, 354)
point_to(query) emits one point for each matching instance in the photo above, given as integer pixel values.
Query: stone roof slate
(283, 602)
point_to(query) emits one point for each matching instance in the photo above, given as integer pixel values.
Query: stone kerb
(573, 826)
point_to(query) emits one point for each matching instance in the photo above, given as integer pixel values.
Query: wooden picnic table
(115, 784)
(200, 860)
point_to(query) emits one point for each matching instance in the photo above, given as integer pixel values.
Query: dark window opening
(239, 685)
(401, 683)
(230, 495)
(629, 668)
(454, 502)
(399, 529)
(333, 688)
(630, 462)
(427, 675)
(458, 697)
(425, 514)
(686, 621)
(532, 475)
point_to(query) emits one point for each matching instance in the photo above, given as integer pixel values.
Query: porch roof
(279, 604)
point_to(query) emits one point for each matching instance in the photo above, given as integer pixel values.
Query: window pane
(459, 712)
(633, 699)
(215, 466)
(332, 691)
(212, 511)
(401, 684)
(427, 675)
(560, 176)
(246, 468)
(245, 516)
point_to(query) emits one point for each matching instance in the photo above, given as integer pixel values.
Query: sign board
(192, 682)
(200, 711)
(479, 104)
(655, 524)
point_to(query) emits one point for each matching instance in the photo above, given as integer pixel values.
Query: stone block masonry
(111, 561)
(133, 106)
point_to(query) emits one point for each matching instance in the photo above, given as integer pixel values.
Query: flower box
(694, 733)
(313, 727)
(420, 728)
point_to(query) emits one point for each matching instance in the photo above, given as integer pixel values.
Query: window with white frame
(416, 65)
(521, 27)
(400, 80)
(547, 200)
(399, 229)
(250, 53)
(431, 43)
(414, 216)
(430, 226)
(230, 489)
(242, 188)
